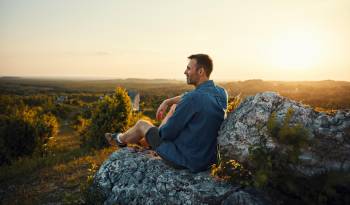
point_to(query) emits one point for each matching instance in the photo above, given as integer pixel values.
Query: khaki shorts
(153, 139)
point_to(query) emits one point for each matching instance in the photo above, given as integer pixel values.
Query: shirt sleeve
(184, 112)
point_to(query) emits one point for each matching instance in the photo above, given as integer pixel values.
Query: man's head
(198, 69)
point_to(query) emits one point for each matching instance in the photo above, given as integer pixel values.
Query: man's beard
(191, 81)
(188, 80)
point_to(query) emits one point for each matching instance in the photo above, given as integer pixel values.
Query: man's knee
(144, 125)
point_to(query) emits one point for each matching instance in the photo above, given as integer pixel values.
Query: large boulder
(133, 176)
(247, 125)
(137, 176)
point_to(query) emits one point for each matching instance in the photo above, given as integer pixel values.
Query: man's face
(192, 73)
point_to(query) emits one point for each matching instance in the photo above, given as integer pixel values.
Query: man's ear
(201, 70)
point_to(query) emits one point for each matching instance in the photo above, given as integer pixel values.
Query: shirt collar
(208, 83)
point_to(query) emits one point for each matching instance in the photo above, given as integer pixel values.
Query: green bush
(8, 104)
(60, 110)
(24, 132)
(111, 114)
(46, 126)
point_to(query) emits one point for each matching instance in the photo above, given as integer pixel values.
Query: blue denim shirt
(190, 134)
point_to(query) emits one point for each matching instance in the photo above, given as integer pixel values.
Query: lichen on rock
(136, 176)
(329, 147)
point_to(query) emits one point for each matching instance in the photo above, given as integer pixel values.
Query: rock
(132, 176)
(241, 197)
(329, 135)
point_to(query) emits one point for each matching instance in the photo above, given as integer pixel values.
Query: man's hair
(203, 60)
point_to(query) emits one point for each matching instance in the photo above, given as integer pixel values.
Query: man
(187, 136)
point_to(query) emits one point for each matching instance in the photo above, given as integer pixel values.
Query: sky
(251, 39)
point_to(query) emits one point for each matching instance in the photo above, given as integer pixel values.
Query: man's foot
(112, 139)
(109, 139)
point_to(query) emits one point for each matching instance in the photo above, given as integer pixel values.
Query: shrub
(24, 132)
(46, 127)
(62, 111)
(8, 104)
(112, 114)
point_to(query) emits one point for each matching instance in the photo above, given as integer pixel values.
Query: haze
(270, 40)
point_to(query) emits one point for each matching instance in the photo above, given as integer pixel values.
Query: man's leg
(136, 133)
(143, 127)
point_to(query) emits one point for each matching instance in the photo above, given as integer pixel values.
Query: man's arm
(174, 100)
(184, 112)
(165, 104)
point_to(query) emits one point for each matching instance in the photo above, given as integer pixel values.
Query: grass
(58, 177)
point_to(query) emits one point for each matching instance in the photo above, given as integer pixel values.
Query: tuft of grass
(234, 103)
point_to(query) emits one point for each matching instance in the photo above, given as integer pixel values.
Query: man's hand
(162, 110)
(164, 106)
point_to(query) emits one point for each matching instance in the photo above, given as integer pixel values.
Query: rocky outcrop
(133, 176)
(329, 135)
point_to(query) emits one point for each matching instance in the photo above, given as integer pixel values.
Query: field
(62, 174)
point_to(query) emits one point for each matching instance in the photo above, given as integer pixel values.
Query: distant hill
(326, 93)
(18, 85)
(9, 78)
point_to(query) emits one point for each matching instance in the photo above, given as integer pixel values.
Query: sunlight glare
(295, 51)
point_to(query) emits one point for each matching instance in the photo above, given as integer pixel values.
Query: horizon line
(104, 77)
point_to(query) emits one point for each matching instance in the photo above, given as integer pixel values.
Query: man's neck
(201, 81)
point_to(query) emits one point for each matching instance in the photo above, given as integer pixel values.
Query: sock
(118, 138)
